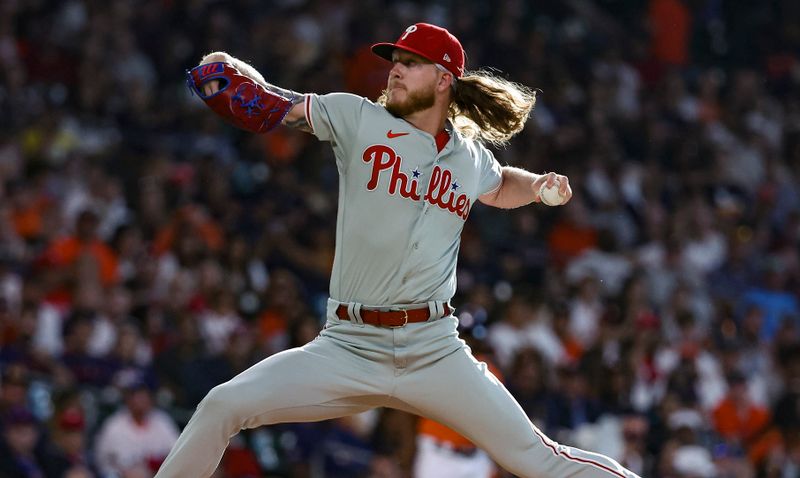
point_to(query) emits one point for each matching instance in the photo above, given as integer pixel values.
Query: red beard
(416, 101)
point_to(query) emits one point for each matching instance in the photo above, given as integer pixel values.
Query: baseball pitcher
(411, 167)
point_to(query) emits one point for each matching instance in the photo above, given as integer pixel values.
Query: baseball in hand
(551, 196)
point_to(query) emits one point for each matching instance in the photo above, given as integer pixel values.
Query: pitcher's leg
(311, 383)
(459, 392)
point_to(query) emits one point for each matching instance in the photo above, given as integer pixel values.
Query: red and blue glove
(240, 100)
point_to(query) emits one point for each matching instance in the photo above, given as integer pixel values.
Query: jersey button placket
(426, 207)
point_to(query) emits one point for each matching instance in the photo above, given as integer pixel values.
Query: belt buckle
(405, 318)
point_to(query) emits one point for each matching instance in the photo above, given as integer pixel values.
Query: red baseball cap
(430, 42)
(71, 419)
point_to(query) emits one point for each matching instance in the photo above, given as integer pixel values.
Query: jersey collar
(442, 139)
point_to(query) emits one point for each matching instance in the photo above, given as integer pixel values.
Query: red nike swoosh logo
(390, 135)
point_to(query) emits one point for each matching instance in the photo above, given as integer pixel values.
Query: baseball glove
(240, 100)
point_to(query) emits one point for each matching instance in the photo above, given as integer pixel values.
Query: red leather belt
(391, 318)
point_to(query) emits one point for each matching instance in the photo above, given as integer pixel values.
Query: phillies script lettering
(441, 191)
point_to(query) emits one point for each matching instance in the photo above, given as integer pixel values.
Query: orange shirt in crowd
(567, 241)
(671, 22)
(365, 73)
(750, 427)
(64, 252)
(196, 221)
(573, 350)
(272, 323)
(28, 220)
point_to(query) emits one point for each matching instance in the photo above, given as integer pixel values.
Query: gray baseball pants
(421, 368)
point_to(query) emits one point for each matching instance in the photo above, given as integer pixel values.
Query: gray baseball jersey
(402, 203)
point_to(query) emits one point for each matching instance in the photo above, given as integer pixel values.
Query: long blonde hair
(487, 107)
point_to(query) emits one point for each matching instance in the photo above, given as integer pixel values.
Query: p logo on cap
(409, 30)
(433, 43)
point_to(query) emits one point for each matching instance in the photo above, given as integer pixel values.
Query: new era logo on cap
(428, 41)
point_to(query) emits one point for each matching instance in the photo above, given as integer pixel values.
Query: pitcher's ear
(446, 81)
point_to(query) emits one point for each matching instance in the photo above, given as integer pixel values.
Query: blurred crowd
(149, 252)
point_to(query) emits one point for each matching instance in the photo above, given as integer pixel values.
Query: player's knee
(525, 457)
(218, 401)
